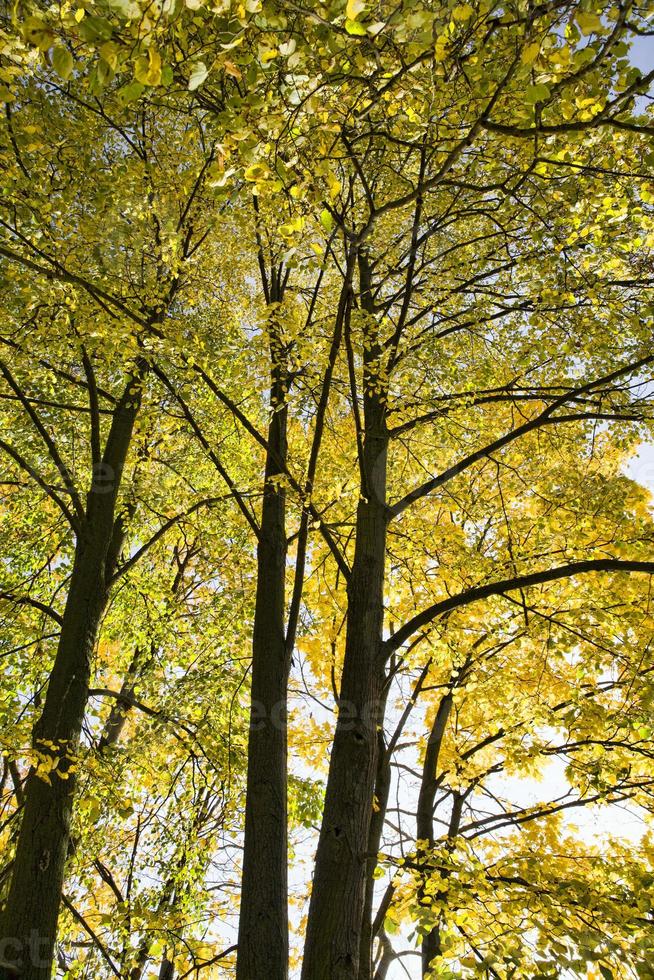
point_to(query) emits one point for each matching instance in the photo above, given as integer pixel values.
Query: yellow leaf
(530, 53)
(148, 70)
(267, 54)
(255, 172)
(589, 22)
(354, 8)
(440, 48)
(354, 27)
(463, 12)
(326, 220)
(109, 53)
(334, 188)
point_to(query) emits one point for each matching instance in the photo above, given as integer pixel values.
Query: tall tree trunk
(263, 920)
(28, 926)
(333, 939)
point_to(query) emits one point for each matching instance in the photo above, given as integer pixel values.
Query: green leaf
(256, 171)
(62, 61)
(95, 29)
(130, 92)
(530, 53)
(537, 93)
(589, 22)
(463, 12)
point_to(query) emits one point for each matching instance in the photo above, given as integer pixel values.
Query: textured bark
(29, 921)
(263, 919)
(333, 939)
(167, 969)
(336, 910)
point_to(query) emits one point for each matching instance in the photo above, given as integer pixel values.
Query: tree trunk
(431, 944)
(333, 939)
(29, 921)
(336, 909)
(382, 789)
(263, 920)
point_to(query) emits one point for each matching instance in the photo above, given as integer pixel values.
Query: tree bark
(263, 919)
(333, 939)
(431, 943)
(28, 925)
(382, 789)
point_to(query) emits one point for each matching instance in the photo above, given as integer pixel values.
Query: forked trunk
(333, 940)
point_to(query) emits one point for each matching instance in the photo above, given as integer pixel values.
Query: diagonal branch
(213, 456)
(511, 585)
(165, 527)
(79, 918)
(25, 600)
(47, 439)
(47, 489)
(546, 417)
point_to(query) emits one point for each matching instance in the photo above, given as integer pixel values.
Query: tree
(398, 283)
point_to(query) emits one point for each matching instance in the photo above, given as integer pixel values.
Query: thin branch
(79, 918)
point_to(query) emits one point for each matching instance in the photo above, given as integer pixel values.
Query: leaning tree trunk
(263, 919)
(28, 926)
(431, 943)
(333, 939)
(382, 789)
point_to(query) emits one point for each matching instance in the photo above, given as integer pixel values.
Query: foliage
(417, 241)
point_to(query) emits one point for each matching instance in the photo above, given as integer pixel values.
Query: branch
(89, 931)
(47, 489)
(166, 526)
(56, 271)
(204, 442)
(214, 959)
(47, 439)
(28, 601)
(546, 417)
(510, 585)
(94, 408)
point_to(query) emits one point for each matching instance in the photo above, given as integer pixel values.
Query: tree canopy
(325, 582)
